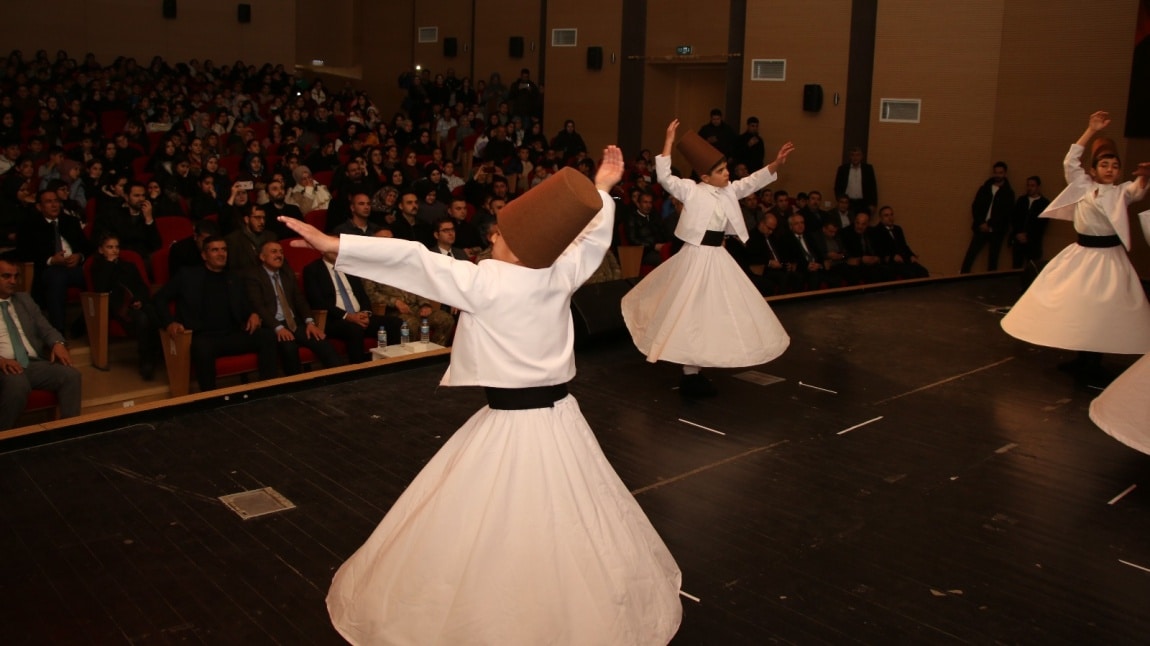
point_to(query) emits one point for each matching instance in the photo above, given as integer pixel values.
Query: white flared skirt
(700, 309)
(1087, 299)
(518, 531)
(1123, 409)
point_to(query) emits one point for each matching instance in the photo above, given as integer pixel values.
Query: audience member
(129, 301)
(57, 247)
(349, 315)
(276, 299)
(890, 241)
(245, 242)
(856, 180)
(33, 355)
(990, 213)
(212, 302)
(1027, 229)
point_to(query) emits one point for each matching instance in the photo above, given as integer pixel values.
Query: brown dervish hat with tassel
(542, 222)
(700, 154)
(1103, 147)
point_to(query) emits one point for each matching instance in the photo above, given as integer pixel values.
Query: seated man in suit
(763, 249)
(283, 309)
(212, 302)
(349, 315)
(862, 253)
(58, 247)
(800, 251)
(444, 235)
(890, 241)
(32, 352)
(834, 253)
(644, 227)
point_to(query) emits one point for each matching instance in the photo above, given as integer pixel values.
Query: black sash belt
(525, 398)
(712, 239)
(1099, 241)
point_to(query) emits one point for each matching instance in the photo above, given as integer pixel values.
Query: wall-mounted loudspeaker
(812, 97)
(244, 13)
(595, 58)
(450, 47)
(169, 8)
(515, 47)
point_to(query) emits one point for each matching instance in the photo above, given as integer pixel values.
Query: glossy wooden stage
(917, 477)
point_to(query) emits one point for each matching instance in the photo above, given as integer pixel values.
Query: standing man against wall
(990, 215)
(856, 180)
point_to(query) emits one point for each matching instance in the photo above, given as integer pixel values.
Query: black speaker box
(595, 58)
(169, 8)
(515, 47)
(812, 97)
(450, 47)
(244, 13)
(595, 308)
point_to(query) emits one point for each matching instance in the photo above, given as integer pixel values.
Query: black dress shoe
(697, 386)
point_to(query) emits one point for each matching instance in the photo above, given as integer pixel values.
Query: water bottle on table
(381, 338)
(424, 331)
(404, 334)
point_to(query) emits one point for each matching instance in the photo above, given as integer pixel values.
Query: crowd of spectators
(100, 165)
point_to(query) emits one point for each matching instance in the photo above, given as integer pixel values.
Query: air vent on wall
(769, 69)
(429, 34)
(564, 37)
(900, 110)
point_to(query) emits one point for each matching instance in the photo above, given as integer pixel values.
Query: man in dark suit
(213, 303)
(1026, 227)
(896, 254)
(763, 249)
(800, 251)
(862, 254)
(990, 216)
(283, 309)
(58, 247)
(32, 353)
(349, 315)
(645, 228)
(444, 235)
(856, 180)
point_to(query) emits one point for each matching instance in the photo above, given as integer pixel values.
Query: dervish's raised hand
(312, 237)
(610, 169)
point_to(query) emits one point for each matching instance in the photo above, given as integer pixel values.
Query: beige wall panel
(387, 37)
(590, 97)
(137, 28)
(660, 105)
(327, 31)
(453, 18)
(814, 38)
(495, 24)
(947, 55)
(702, 25)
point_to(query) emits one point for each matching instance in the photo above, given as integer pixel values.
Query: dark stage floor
(976, 506)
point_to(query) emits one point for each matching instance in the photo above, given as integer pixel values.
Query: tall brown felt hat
(539, 224)
(701, 155)
(1102, 147)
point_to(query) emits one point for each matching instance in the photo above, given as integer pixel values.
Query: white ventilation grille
(564, 37)
(769, 69)
(429, 34)
(900, 110)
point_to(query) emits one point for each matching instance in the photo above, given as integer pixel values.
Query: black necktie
(56, 235)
